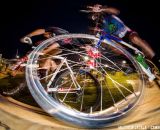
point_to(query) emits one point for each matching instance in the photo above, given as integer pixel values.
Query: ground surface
(18, 116)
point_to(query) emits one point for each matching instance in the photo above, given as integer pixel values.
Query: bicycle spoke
(112, 97)
(112, 62)
(115, 84)
(54, 75)
(67, 93)
(83, 87)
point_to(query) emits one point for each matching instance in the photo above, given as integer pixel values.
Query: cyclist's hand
(26, 40)
(96, 8)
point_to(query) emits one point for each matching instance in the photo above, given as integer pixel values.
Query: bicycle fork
(63, 60)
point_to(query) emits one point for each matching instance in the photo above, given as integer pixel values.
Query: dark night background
(19, 18)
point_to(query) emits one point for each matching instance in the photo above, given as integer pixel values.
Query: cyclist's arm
(111, 10)
(27, 38)
(36, 32)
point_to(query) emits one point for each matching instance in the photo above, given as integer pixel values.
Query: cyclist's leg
(146, 48)
(49, 65)
(51, 48)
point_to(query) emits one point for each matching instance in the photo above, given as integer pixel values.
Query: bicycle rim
(118, 74)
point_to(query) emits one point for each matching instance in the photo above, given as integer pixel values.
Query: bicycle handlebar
(101, 9)
(26, 40)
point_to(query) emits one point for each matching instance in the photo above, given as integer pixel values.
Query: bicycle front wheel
(110, 76)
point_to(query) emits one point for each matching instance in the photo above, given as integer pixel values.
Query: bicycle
(66, 96)
(95, 83)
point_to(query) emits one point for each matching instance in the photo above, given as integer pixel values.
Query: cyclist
(106, 18)
(44, 34)
(35, 38)
(39, 35)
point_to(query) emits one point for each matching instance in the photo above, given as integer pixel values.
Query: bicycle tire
(66, 114)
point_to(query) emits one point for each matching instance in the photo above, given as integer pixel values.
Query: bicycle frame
(63, 61)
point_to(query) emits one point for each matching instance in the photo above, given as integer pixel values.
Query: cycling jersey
(55, 32)
(113, 25)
